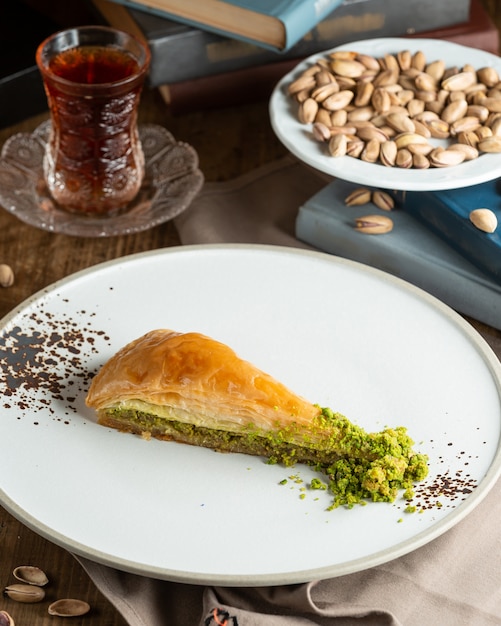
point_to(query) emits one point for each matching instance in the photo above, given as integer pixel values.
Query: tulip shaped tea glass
(93, 76)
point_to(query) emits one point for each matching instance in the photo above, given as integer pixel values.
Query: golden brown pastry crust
(204, 381)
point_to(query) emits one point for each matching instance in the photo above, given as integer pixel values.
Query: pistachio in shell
(69, 607)
(31, 575)
(484, 219)
(6, 619)
(27, 594)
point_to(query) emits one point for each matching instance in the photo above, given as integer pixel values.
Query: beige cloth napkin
(454, 580)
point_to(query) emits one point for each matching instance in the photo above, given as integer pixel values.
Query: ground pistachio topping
(356, 466)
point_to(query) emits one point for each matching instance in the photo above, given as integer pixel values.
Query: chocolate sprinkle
(44, 361)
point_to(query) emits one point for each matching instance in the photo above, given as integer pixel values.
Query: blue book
(447, 214)
(272, 24)
(412, 251)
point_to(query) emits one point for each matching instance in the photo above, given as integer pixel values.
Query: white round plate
(298, 138)
(362, 342)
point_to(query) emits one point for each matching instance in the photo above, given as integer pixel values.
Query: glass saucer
(171, 182)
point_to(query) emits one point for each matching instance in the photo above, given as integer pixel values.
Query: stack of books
(198, 62)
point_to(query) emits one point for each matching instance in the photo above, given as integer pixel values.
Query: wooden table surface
(229, 142)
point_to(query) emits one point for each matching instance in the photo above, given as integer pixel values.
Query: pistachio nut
(404, 59)
(370, 153)
(373, 224)
(459, 81)
(421, 129)
(338, 145)
(388, 153)
(454, 111)
(470, 152)
(349, 68)
(484, 219)
(337, 118)
(25, 593)
(323, 117)
(420, 161)
(404, 158)
(490, 144)
(496, 127)
(425, 82)
(366, 133)
(401, 123)
(446, 158)
(347, 55)
(320, 93)
(464, 125)
(6, 275)
(438, 128)
(415, 106)
(492, 103)
(6, 619)
(368, 61)
(381, 100)
(405, 139)
(418, 60)
(482, 132)
(488, 76)
(338, 100)
(303, 82)
(386, 77)
(420, 148)
(321, 132)
(477, 110)
(360, 114)
(364, 93)
(358, 197)
(308, 111)
(383, 200)
(468, 137)
(354, 147)
(31, 575)
(69, 607)
(436, 69)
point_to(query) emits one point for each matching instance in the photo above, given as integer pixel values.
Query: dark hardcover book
(255, 83)
(181, 53)
(271, 24)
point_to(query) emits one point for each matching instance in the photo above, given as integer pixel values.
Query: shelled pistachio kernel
(484, 219)
(373, 224)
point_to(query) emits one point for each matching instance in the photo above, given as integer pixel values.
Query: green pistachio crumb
(316, 483)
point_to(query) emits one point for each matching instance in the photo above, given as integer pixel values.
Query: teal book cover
(272, 24)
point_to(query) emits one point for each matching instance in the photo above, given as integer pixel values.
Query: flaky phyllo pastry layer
(192, 389)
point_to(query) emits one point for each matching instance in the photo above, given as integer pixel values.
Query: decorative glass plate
(171, 182)
(297, 137)
(375, 348)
